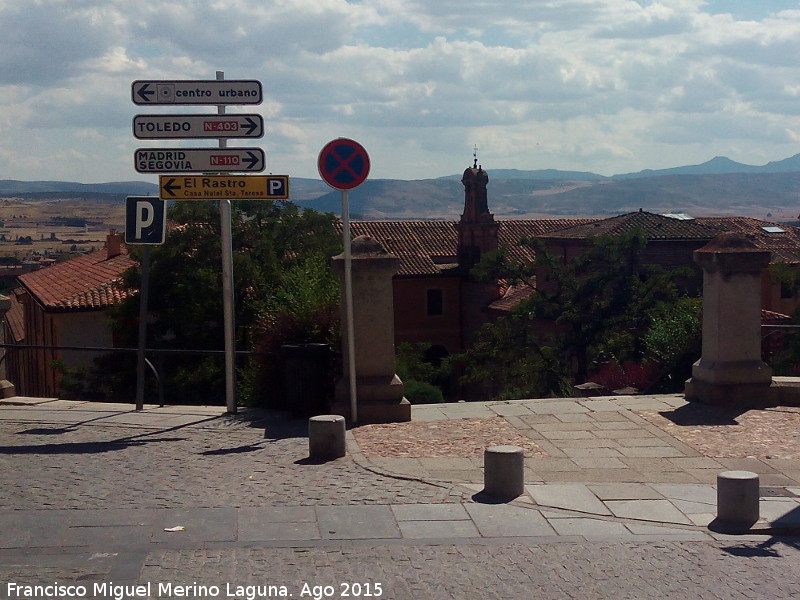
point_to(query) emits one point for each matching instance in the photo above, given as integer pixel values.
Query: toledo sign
(158, 127)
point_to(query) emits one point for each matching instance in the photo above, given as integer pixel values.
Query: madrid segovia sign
(199, 160)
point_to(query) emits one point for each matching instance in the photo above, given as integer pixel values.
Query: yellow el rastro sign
(222, 187)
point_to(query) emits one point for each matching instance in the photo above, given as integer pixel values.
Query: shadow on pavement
(766, 549)
(237, 450)
(277, 426)
(484, 498)
(694, 413)
(83, 447)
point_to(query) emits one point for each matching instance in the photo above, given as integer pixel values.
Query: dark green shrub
(419, 392)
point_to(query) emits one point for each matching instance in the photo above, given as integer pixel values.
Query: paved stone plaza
(615, 506)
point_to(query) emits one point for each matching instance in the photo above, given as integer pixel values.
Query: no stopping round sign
(343, 164)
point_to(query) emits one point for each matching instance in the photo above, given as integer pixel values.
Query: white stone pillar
(730, 369)
(378, 388)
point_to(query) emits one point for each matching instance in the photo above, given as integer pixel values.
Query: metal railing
(159, 352)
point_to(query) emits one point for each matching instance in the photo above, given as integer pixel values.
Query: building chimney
(113, 244)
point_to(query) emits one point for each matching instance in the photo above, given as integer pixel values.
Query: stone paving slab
(660, 511)
(109, 530)
(357, 522)
(589, 528)
(440, 529)
(575, 497)
(624, 491)
(502, 521)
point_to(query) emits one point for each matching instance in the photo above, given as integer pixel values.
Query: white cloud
(44, 42)
(603, 85)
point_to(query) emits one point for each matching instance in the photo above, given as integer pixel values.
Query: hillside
(773, 195)
(719, 186)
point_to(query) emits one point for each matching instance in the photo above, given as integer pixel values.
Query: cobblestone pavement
(574, 571)
(541, 571)
(234, 465)
(85, 502)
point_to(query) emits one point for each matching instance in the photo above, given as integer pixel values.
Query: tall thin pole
(348, 300)
(227, 287)
(144, 292)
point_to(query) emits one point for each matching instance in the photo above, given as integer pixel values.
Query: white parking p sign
(145, 220)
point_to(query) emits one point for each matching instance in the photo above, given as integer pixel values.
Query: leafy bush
(419, 392)
(413, 367)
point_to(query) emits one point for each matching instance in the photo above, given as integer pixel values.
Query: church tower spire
(477, 229)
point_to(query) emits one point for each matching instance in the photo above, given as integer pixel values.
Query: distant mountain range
(719, 186)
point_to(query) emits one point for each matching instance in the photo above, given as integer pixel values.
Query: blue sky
(609, 86)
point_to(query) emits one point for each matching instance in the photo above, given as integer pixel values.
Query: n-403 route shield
(164, 127)
(199, 160)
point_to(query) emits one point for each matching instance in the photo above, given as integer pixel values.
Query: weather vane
(475, 156)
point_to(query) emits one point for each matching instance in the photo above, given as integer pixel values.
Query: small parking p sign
(145, 220)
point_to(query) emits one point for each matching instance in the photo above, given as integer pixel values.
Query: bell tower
(477, 229)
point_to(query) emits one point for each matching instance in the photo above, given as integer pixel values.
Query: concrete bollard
(326, 437)
(503, 471)
(737, 498)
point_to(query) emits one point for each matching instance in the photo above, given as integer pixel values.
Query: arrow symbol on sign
(145, 92)
(251, 126)
(251, 161)
(169, 187)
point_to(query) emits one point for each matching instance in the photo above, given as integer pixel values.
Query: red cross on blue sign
(343, 164)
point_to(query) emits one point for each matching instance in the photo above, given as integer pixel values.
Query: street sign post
(221, 187)
(191, 91)
(146, 225)
(344, 164)
(145, 220)
(163, 127)
(199, 160)
(219, 92)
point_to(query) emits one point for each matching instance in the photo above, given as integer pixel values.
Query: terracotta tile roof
(427, 247)
(782, 240)
(88, 282)
(423, 247)
(511, 296)
(655, 227)
(513, 230)
(15, 319)
(769, 317)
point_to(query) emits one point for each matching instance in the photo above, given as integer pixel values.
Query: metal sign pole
(348, 301)
(144, 291)
(344, 165)
(227, 287)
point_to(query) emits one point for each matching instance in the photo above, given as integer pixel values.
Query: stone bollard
(737, 498)
(503, 471)
(326, 437)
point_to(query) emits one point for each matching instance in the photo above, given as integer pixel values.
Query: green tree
(280, 264)
(673, 341)
(590, 311)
